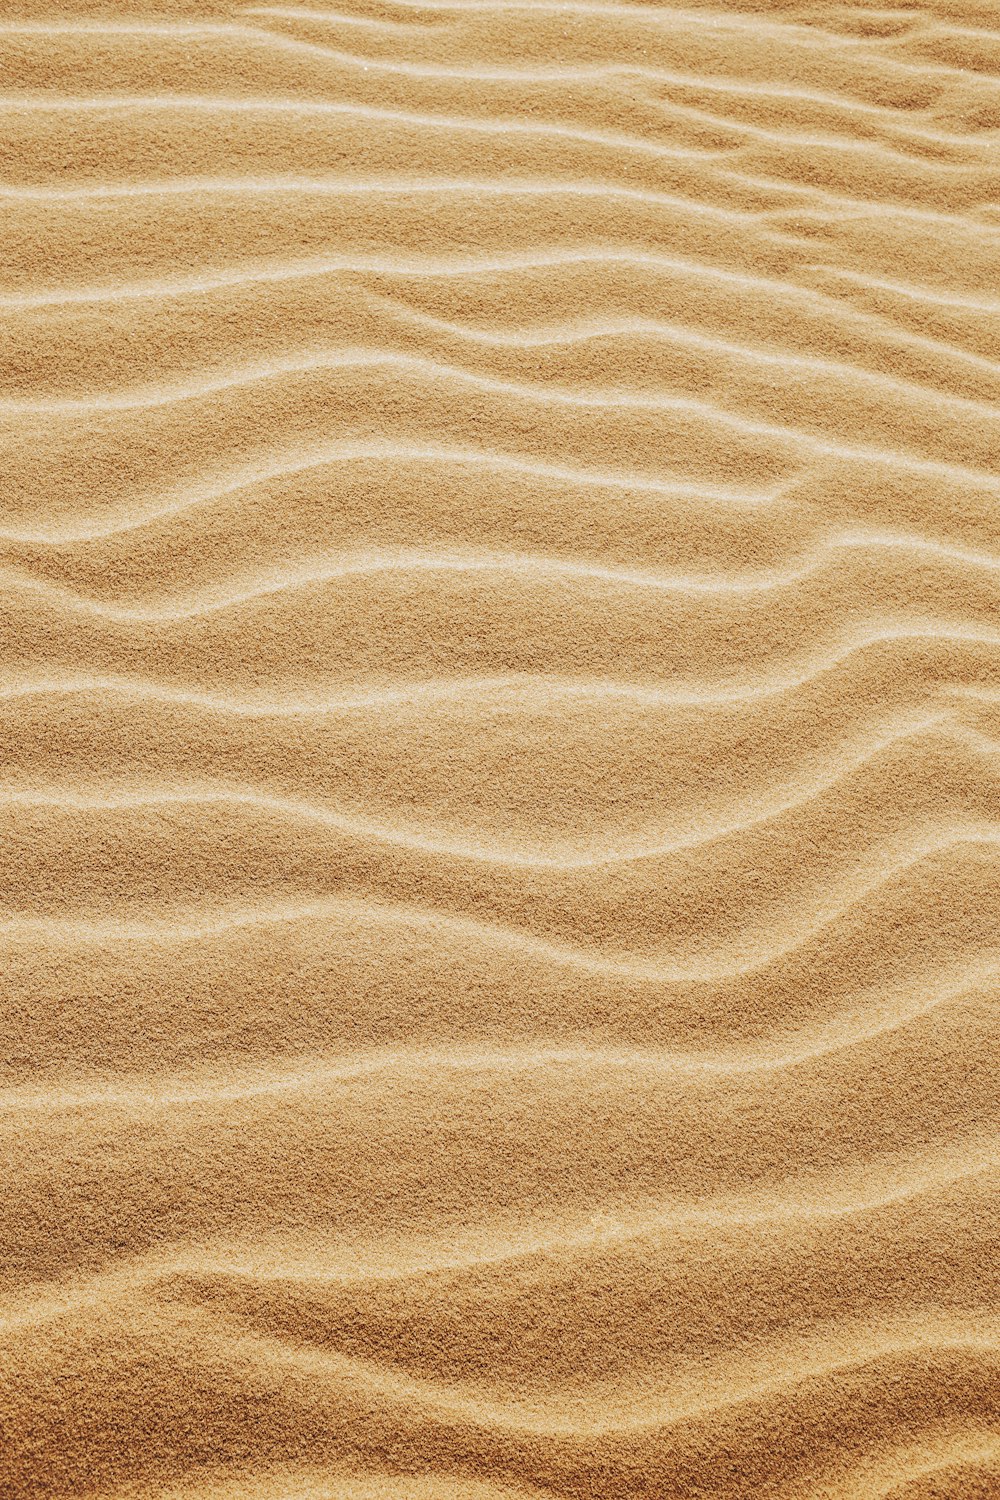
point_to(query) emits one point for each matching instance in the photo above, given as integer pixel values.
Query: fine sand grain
(499, 750)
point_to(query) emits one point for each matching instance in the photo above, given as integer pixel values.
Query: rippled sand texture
(500, 724)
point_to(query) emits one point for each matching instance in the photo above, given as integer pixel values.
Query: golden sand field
(500, 729)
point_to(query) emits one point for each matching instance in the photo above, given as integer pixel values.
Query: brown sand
(500, 724)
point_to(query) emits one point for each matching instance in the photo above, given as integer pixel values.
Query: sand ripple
(500, 739)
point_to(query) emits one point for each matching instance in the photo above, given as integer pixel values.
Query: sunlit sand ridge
(500, 732)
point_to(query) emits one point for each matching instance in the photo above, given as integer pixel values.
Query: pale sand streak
(499, 750)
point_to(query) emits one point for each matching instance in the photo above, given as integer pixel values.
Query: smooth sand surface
(499, 750)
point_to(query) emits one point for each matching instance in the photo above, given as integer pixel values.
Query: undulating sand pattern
(500, 722)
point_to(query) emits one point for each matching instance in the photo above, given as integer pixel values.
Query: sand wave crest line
(122, 26)
(370, 187)
(903, 69)
(521, 567)
(537, 392)
(593, 961)
(796, 33)
(544, 686)
(428, 1063)
(218, 279)
(492, 461)
(969, 1339)
(767, 809)
(532, 691)
(483, 73)
(769, 221)
(615, 70)
(937, 296)
(565, 335)
(836, 208)
(605, 1231)
(473, 124)
(438, 266)
(853, 1026)
(497, 123)
(975, 1454)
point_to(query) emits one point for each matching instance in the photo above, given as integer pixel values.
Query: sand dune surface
(500, 750)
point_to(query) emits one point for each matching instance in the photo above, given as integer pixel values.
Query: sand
(499, 750)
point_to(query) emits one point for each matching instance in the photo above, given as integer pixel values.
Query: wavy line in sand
(563, 336)
(781, 222)
(809, 300)
(823, 559)
(604, 1232)
(863, 1403)
(497, 123)
(965, 1337)
(597, 72)
(440, 266)
(794, 31)
(767, 809)
(616, 71)
(936, 296)
(259, 470)
(864, 1017)
(474, 124)
(328, 186)
(588, 960)
(542, 394)
(318, 1078)
(547, 687)
(331, 1483)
